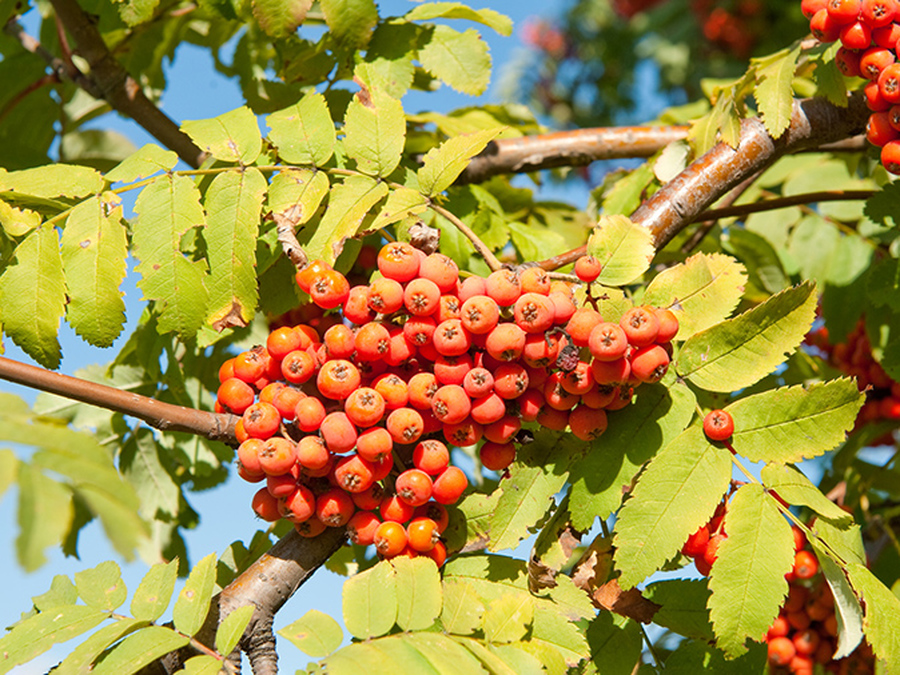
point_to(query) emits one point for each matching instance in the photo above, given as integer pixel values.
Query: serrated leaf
(539, 472)
(93, 249)
(33, 296)
(445, 654)
(461, 60)
(166, 210)
(624, 249)
(615, 644)
(374, 131)
(233, 203)
(351, 21)
(442, 165)
(847, 609)
(882, 614)
(760, 257)
(655, 418)
(44, 516)
(35, 635)
(192, 604)
(456, 10)
(401, 203)
(154, 593)
(141, 464)
(304, 132)
(401, 656)
(462, 610)
(694, 657)
(232, 628)
(470, 523)
(683, 607)
(202, 665)
(17, 222)
(315, 634)
(747, 581)
(674, 496)
(121, 524)
(844, 541)
(53, 180)
(298, 191)
(774, 94)
(508, 618)
(830, 81)
(740, 351)
(628, 191)
(419, 594)
(102, 587)
(232, 137)
(884, 205)
(348, 204)
(491, 662)
(360, 657)
(797, 490)
(517, 659)
(62, 592)
(370, 601)
(280, 18)
(143, 163)
(139, 649)
(793, 423)
(84, 655)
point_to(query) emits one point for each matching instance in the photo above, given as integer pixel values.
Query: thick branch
(118, 88)
(162, 416)
(567, 148)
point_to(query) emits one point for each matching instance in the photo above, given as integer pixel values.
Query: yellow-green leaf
(315, 634)
(231, 137)
(370, 601)
(442, 165)
(303, 132)
(193, 601)
(461, 60)
(624, 249)
(374, 131)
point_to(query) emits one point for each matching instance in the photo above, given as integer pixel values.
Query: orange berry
(248, 456)
(470, 287)
(249, 366)
(535, 280)
(329, 289)
(337, 379)
(587, 423)
(450, 404)
(564, 307)
(556, 396)
(451, 339)
(640, 325)
(356, 306)
(298, 367)
(299, 505)
(265, 506)
(310, 528)
(579, 380)
(419, 330)
(503, 430)
(611, 372)
(431, 456)
(281, 486)
(421, 297)
(503, 286)
(393, 390)
(497, 456)
(441, 270)
(649, 364)
(385, 296)
(540, 350)
(309, 414)
(375, 444)
(479, 314)
(398, 261)
(404, 425)
(312, 453)
(668, 324)
(395, 509)
(277, 455)
(353, 473)
(361, 528)
(582, 324)
(588, 268)
(390, 539)
(313, 269)
(466, 433)
(438, 554)
(226, 370)
(488, 409)
(339, 432)
(261, 420)
(235, 395)
(422, 534)
(339, 342)
(551, 418)
(370, 499)
(334, 507)
(781, 651)
(805, 565)
(436, 512)
(286, 400)
(282, 341)
(534, 313)
(449, 308)
(449, 485)
(505, 342)
(364, 406)
(607, 342)
(530, 404)
(414, 487)
(451, 369)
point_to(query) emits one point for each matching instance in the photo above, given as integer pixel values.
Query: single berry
(718, 425)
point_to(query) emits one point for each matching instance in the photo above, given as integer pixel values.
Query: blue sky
(196, 91)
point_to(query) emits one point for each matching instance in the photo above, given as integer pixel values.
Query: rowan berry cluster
(805, 632)
(854, 357)
(415, 363)
(868, 31)
(703, 545)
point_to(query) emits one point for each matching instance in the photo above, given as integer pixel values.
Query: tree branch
(159, 415)
(118, 88)
(815, 123)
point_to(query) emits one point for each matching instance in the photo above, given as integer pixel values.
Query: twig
(785, 202)
(159, 415)
(467, 232)
(118, 88)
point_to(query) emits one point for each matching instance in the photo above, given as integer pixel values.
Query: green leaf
(192, 605)
(533, 243)
(418, 592)
(628, 191)
(656, 417)
(62, 592)
(830, 81)
(33, 296)
(143, 163)
(348, 204)
(774, 94)
(624, 249)
(315, 634)
(117, 513)
(154, 593)
(445, 654)
(84, 655)
(508, 618)
(456, 10)
(615, 644)
(883, 284)
(459, 59)
(35, 635)
(44, 516)
(694, 657)
(747, 580)
(793, 423)
(370, 601)
(102, 587)
(539, 472)
(232, 137)
(797, 490)
(351, 21)
(233, 204)
(232, 628)
(844, 541)
(760, 257)
(882, 617)
(683, 607)
(374, 131)
(142, 466)
(442, 165)
(462, 611)
(490, 661)
(18, 222)
(54, 180)
(298, 193)
(139, 649)
(674, 496)
(166, 210)
(847, 608)
(202, 665)
(304, 132)
(738, 352)
(401, 203)
(93, 249)
(517, 658)
(9, 470)
(883, 206)
(280, 18)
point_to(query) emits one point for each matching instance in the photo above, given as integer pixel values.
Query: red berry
(718, 425)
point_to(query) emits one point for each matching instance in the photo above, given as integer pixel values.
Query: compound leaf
(457, 10)
(280, 18)
(797, 490)
(44, 515)
(102, 586)
(624, 249)
(882, 613)
(351, 21)
(232, 628)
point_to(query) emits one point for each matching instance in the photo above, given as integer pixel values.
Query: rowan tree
(686, 393)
